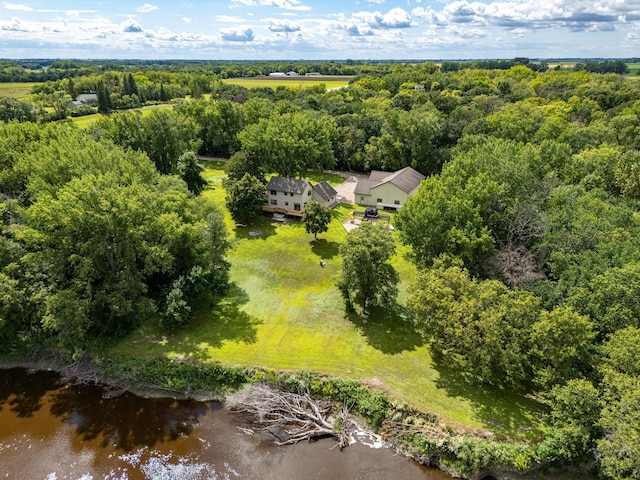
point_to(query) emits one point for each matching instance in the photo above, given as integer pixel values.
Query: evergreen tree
(104, 102)
(190, 170)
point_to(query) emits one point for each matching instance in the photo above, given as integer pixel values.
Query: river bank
(55, 430)
(420, 436)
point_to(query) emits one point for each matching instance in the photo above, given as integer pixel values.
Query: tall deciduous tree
(291, 143)
(619, 448)
(367, 277)
(245, 197)
(316, 218)
(475, 327)
(163, 135)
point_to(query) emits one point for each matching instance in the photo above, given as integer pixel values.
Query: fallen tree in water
(292, 417)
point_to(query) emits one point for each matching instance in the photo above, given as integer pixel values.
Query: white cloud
(394, 18)
(378, 2)
(276, 25)
(577, 15)
(14, 25)
(131, 26)
(229, 19)
(236, 34)
(147, 7)
(285, 4)
(186, 19)
(358, 31)
(248, 3)
(17, 6)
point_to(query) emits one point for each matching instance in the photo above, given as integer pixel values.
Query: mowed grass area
(634, 69)
(295, 83)
(87, 121)
(16, 90)
(284, 311)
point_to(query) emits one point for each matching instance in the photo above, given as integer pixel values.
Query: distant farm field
(16, 90)
(290, 82)
(634, 68)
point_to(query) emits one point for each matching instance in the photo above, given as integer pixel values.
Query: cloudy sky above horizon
(320, 29)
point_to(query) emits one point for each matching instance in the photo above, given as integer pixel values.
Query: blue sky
(319, 29)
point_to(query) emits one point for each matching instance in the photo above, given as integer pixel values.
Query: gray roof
(406, 180)
(287, 184)
(324, 190)
(87, 98)
(363, 187)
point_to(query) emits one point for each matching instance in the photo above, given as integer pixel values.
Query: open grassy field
(16, 90)
(87, 121)
(284, 312)
(634, 69)
(295, 82)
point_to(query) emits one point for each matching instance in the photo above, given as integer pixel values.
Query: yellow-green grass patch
(295, 83)
(16, 90)
(87, 121)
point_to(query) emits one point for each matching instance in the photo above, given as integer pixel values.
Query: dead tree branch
(292, 417)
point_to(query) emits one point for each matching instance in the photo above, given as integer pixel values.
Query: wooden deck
(284, 211)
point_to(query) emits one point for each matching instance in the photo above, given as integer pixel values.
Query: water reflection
(54, 431)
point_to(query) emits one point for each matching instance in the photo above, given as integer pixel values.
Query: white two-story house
(289, 195)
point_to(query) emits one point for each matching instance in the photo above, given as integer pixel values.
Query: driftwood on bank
(85, 372)
(292, 417)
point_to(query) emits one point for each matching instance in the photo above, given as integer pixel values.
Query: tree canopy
(367, 277)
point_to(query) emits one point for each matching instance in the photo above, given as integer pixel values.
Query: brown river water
(53, 431)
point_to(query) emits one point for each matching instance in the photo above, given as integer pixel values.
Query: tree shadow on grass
(259, 228)
(324, 249)
(225, 322)
(388, 329)
(507, 413)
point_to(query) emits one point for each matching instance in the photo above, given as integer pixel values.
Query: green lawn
(16, 90)
(87, 121)
(284, 312)
(634, 68)
(284, 82)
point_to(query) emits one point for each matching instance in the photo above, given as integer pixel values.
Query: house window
(309, 193)
(296, 207)
(274, 201)
(291, 193)
(286, 204)
(397, 202)
(379, 200)
(274, 192)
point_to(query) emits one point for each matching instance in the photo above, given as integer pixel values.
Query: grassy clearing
(634, 68)
(16, 90)
(284, 312)
(296, 84)
(87, 121)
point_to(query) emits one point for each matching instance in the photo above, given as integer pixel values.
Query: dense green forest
(526, 231)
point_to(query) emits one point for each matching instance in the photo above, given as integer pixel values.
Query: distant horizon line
(335, 60)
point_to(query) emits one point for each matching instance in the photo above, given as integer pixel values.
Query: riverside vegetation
(515, 329)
